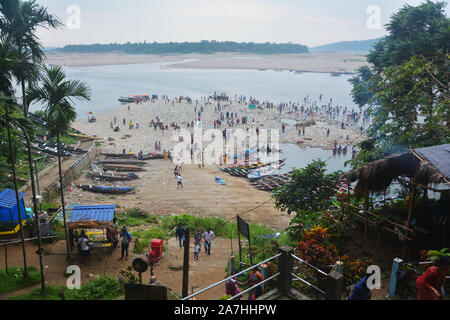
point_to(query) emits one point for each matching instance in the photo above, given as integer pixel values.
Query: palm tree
(12, 120)
(19, 20)
(58, 95)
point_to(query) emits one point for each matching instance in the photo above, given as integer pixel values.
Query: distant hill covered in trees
(206, 47)
(350, 46)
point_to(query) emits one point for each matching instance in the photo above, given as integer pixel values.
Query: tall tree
(58, 95)
(11, 121)
(405, 88)
(20, 20)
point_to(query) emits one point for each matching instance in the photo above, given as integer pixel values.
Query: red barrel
(157, 248)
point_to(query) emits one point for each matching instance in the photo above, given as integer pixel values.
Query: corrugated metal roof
(438, 156)
(8, 198)
(100, 213)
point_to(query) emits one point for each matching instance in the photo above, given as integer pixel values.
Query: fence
(285, 277)
(71, 174)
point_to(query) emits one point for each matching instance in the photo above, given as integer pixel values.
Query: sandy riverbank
(143, 138)
(312, 62)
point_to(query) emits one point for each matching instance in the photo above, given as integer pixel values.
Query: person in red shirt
(430, 282)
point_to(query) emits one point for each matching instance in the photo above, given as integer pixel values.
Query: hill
(206, 47)
(350, 46)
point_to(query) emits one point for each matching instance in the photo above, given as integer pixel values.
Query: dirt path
(208, 270)
(156, 193)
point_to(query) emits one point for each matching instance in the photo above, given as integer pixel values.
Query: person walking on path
(179, 233)
(175, 171)
(197, 249)
(209, 237)
(180, 181)
(126, 239)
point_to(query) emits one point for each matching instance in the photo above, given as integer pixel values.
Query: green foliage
(145, 237)
(190, 47)
(135, 217)
(409, 79)
(421, 30)
(15, 280)
(127, 276)
(435, 255)
(311, 190)
(102, 288)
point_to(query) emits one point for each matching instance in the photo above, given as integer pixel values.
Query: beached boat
(257, 174)
(122, 161)
(84, 137)
(126, 100)
(105, 189)
(151, 156)
(110, 177)
(122, 167)
(118, 155)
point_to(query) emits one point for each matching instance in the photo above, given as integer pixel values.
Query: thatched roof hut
(429, 165)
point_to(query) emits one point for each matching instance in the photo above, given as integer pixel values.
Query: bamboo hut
(420, 169)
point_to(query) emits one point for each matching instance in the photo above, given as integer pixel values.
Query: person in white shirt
(180, 181)
(83, 246)
(209, 237)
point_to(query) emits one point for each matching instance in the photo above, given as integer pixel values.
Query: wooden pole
(412, 197)
(6, 259)
(185, 289)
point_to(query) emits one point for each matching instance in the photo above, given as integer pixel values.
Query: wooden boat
(118, 155)
(122, 167)
(243, 171)
(126, 100)
(270, 183)
(257, 174)
(110, 177)
(84, 137)
(122, 161)
(151, 156)
(105, 189)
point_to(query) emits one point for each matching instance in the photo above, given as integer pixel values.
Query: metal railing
(235, 275)
(296, 277)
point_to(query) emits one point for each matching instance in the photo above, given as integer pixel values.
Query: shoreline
(337, 62)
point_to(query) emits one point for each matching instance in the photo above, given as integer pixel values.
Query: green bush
(102, 288)
(14, 279)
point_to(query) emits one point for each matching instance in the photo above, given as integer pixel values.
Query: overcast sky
(309, 22)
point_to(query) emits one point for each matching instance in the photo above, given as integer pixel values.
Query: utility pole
(185, 289)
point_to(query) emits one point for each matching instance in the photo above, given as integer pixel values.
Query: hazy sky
(309, 22)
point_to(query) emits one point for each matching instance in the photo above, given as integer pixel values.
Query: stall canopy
(9, 212)
(100, 213)
(430, 165)
(92, 217)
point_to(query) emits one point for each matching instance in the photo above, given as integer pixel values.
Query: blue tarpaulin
(9, 212)
(101, 213)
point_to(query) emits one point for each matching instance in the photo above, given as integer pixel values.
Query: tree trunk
(22, 238)
(61, 187)
(33, 190)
